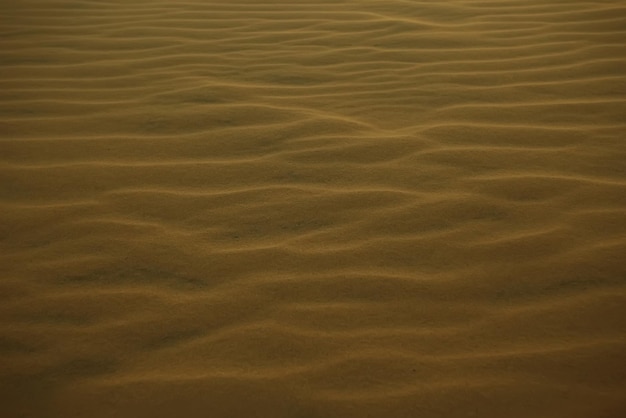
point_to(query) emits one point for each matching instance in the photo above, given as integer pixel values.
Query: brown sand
(369, 208)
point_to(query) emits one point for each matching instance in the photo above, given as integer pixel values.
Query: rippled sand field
(309, 209)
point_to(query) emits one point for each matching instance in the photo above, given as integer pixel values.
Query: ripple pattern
(350, 208)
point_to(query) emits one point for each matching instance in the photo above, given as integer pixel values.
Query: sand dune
(313, 209)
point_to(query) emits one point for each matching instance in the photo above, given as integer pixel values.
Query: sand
(313, 209)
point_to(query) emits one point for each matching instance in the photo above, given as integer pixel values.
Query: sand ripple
(313, 209)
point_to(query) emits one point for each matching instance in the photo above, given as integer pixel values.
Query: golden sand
(313, 209)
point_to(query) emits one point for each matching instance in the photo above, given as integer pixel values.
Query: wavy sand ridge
(341, 209)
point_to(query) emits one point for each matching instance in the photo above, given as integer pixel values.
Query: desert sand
(313, 209)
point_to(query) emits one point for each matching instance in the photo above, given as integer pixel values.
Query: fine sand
(313, 209)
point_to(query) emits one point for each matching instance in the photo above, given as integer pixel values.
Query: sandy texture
(305, 209)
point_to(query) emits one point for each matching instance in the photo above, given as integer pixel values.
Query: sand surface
(313, 209)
